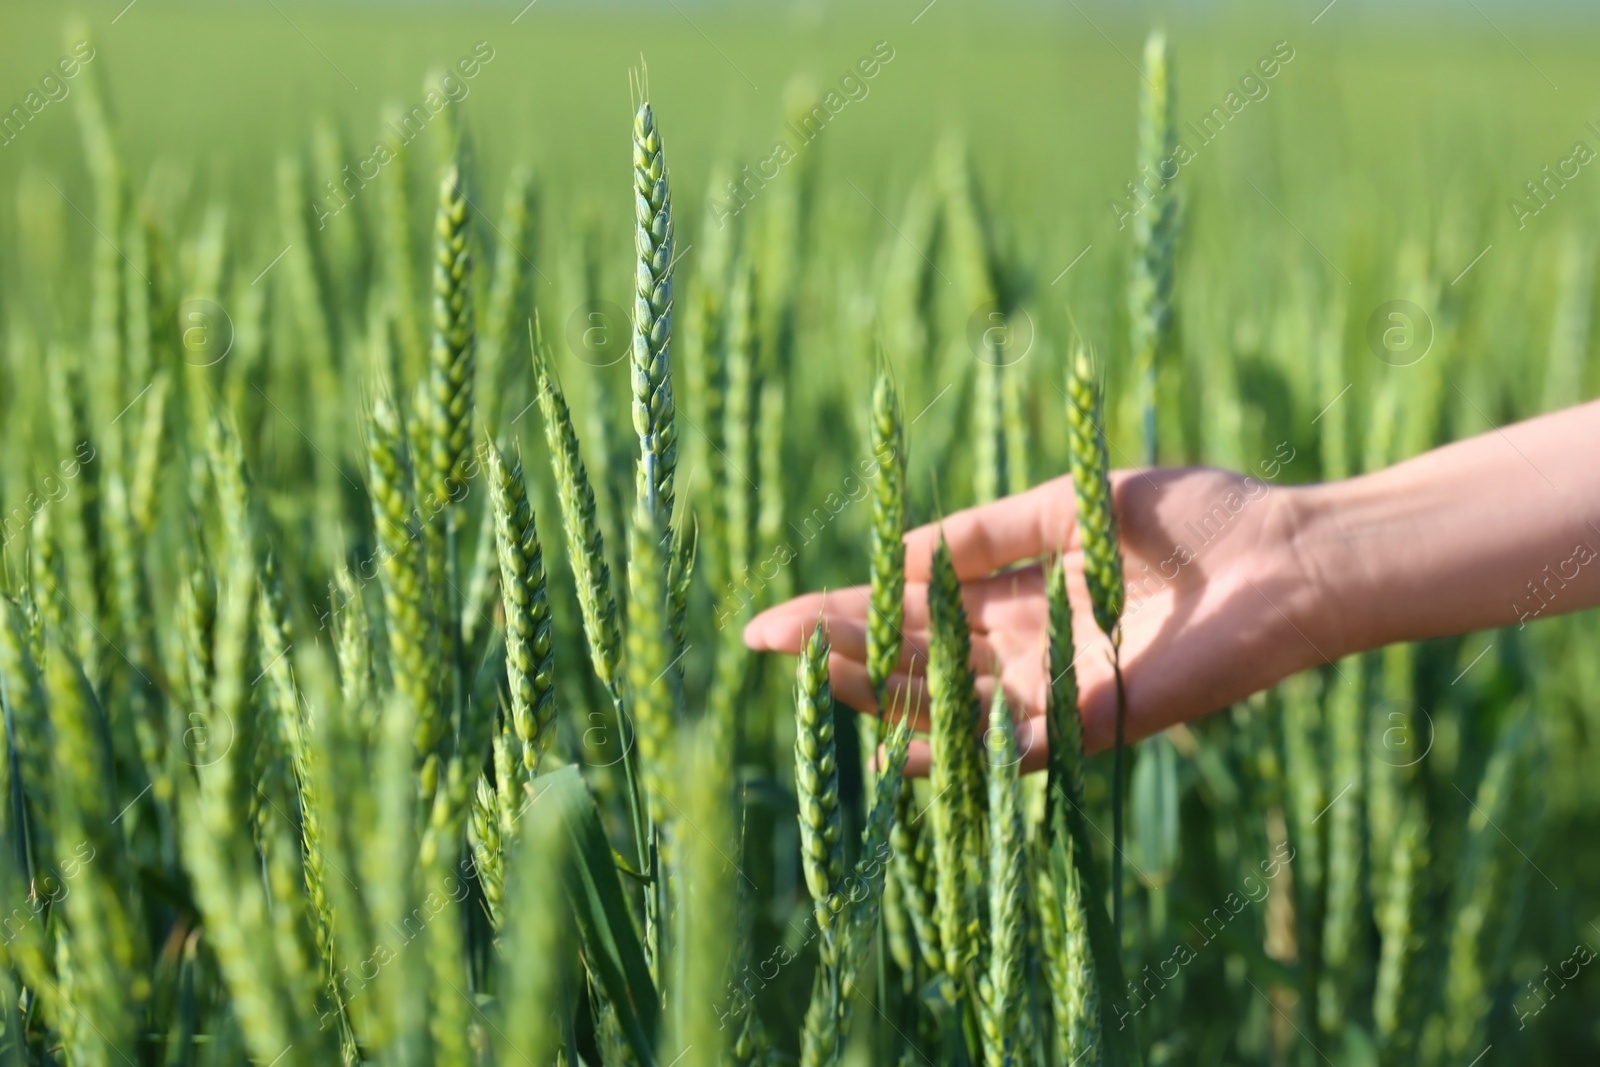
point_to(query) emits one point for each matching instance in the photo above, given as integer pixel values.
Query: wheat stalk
(650, 659)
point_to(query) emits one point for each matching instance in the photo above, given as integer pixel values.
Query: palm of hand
(1212, 588)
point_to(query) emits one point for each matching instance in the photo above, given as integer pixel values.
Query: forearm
(1496, 530)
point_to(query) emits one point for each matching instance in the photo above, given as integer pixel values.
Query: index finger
(991, 536)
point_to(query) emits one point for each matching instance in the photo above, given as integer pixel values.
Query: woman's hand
(1219, 604)
(1234, 584)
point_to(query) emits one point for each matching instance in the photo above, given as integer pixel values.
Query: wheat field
(404, 408)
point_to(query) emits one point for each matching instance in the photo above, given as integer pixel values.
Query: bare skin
(1234, 583)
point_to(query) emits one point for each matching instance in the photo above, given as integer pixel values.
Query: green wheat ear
(910, 871)
(1344, 752)
(510, 294)
(530, 660)
(1002, 985)
(1063, 725)
(1155, 239)
(1489, 885)
(396, 278)
(770, 407)
(957, 812)
(816, 768)
(1091, 484)
(1102, 567)
(20, 659)
(1074, 985)
(703, 357)
(738, 424)
(110, 972)
(1397, 1002)
(407, 608)
(886, 619)
(47, 576)
(586, 549)
(848, 916)
(447, 413)
(652, 317)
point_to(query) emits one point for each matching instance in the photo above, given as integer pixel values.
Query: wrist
(1327, 601)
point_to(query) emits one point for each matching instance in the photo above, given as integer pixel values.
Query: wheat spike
(1064, 727)
(1003, 990)
(770, 482)
(484, 826)
(956, 812)
(510, 294)
(652, 318)
(586, 550)
(408, 610)
(1341, 944)
(1097, 520)
(447, 414)
(816, 769)
(396, 268)
(910, 870)
(1402, 922)
(530, 659)
(1081, 1028)
(886, 618)
(1102, 565)
(1155, 238)
(1487, 890)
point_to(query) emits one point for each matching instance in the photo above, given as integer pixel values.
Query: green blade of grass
(611, 947)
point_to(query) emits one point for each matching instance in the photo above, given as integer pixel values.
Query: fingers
(849, 640)
(1012, 603)
(785, 627)
(984, 539)
(1009, 601)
